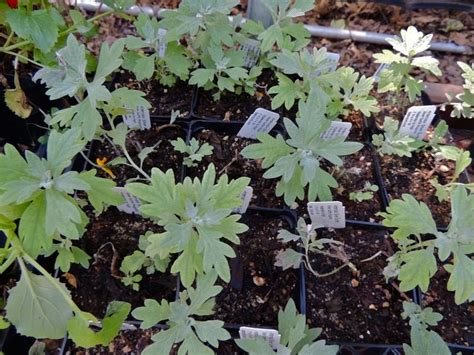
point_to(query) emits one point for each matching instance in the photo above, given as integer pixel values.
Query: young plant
(462, 160)
(307, 241)
(166, 61)
(296, 337)
(393, 142)
(137, 261)
(464, 106)
(193, 150)
(396, 77)
(298, 161)
(423, 341)
(339, 89)
(283, 32)
(41, 189)
(182, 319)
(70, 79)
(420, 244)
(364, 194)
(197, 217)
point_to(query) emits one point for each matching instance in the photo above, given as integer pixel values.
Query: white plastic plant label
(132, 203)
(161, 45)
(245, 196)
(417, 120)
(337, 129)
(379, 71)
(138, 119)
(329, 214)
(270, 335)
(251, 51)
(260, 121)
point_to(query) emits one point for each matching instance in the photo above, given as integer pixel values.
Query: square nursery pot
(226, 157)
(331, 303)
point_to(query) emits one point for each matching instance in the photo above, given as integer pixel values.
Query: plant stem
(132, 163)
(20, 56)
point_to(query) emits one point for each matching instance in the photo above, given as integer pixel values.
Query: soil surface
(227, 159)
(127, 342)
(357, 169)
(258, 289)
(412, 175)
(108, 239)
(457, 326)
(163, 156)
(232, 107)
(164, 100)
(356, 306)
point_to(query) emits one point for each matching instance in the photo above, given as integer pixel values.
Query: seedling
(297, 161)
(307, 240)
(420, 244)
(423, 340)
(364, 194)
(182, 318)
(396, 78)
(463, 104)
(296, 337)
(193, 150)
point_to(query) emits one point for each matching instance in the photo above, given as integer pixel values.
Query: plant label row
(270, 335)
(251, 51)
(333, 60)
(337, 129)
(329, 214)
(245, 196)
(138, 119)
(132, 203)
(379, 71)
(260, 121)
(161, 44)
(417, 120)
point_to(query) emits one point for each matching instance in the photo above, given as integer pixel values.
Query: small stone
(443, 168)
(354, 283)
(361, 336)
(372, 307)
(385, 305)
(258, 280)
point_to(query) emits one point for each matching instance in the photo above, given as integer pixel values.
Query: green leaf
(418, 268)
(32, 227)
(37, 26)
(461, 280)
(152, 313)
(257, 346)
(83, 335)
(37, 308)
(101, 192)
(287, 92)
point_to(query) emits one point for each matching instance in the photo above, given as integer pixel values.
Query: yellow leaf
(17, 101)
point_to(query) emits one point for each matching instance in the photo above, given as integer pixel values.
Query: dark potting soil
(227, 159)
(357, 169)
(233, 107)
(357, 132)
(109, 238)
(127, 342)
(163, 99)
(457, 326)
(163, 157)
(356, 306)
(258, 288)
(412, 175)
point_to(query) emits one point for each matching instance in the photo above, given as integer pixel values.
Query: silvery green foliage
(364, 194)
(463, 106)
(297, 338)
(296, 161)
(169, 60)
(193, 336)
(401, 62)
(423, 341)
(70, 79)
(198, 221)
(339, 89)
(415, 262)
(194, 151)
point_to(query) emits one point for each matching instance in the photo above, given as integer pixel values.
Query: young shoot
(194, 151)
(307, 239)
(463, 103)
(364, 194)
(396, 77)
